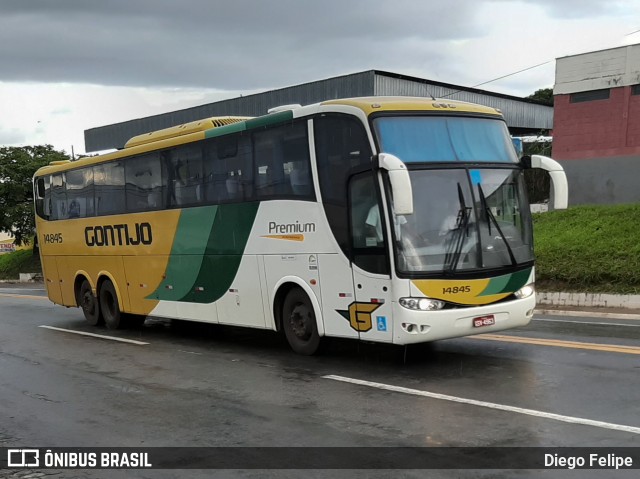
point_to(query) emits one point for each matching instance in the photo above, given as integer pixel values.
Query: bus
(384, 219)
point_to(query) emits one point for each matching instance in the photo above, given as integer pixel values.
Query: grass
(589, 248)
(592, 249)
(21, 261)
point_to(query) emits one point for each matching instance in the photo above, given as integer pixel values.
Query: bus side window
(227, 169)
(43, 197)
(58, 197)
(269, 159)
(297, 165)
(342, 149)
(188, 182)
(144, 183)
(109, 188)
(368, 237)
(239, 177)
(79, 186)
(282, 162)
(216, 151)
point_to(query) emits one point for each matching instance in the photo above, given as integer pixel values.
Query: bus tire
(299, 323)
(89, 304)
(109, 305)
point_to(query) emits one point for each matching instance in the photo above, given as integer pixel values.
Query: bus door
(370, 314)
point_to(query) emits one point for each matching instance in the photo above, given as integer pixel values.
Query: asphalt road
(559, 382)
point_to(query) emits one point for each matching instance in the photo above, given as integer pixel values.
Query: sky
(70, 65)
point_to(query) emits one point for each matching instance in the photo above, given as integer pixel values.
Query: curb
(589, 300)
(586, 314)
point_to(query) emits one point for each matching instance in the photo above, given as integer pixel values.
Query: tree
(543, 95)
(17, 166)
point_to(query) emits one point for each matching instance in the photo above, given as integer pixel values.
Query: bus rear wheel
(89, 304)
(299, 323)
(109, 305)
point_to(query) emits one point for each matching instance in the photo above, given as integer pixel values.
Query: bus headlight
(525, 291)
(421, 304)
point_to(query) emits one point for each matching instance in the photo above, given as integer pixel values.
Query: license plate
(484, 321)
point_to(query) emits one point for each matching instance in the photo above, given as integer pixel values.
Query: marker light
(421, 304)
(525, 291)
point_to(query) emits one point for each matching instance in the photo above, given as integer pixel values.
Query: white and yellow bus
(396, 220)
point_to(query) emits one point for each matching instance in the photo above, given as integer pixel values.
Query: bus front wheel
(89, 304)
(299, 323)
(109, 305)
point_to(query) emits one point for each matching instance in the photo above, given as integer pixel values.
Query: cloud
(217, 44)
(578, 9)
(69, 65)
(12, 136)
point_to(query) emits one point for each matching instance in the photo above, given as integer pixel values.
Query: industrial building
(596, 125)
(523, 116)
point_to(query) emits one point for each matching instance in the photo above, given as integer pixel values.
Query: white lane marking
(501, 407)
(10, 290)
(586, 314)
(101, 336)
(586, 322)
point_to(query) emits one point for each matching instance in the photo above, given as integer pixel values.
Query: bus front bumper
(412, 327)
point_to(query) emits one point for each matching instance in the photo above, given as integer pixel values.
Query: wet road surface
(559, 382)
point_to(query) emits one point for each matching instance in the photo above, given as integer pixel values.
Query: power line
(501, 77)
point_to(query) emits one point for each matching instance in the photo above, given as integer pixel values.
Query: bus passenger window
(79, 185)
(300, 178)
(144, 183)
(216, 151)
(109, 184)
(282, 162)
(239, 180)
(187, 168)
(269, 158)
(58, 197)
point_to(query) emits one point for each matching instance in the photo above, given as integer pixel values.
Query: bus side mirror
(400, 183)
(559, 184)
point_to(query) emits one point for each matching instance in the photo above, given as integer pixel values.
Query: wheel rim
(300, 320)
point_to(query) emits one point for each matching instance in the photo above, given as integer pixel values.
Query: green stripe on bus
(496, 285)
(226, 130)
(518, 280)
(225, 248)
(189, 246)
(206, 253)
(507, 283)
(268, 120)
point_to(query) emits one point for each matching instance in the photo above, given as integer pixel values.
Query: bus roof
(375, 104)
(184, 129)
(218, 126)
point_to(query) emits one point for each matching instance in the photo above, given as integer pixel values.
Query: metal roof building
(523, 116)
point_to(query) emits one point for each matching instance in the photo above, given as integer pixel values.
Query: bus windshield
(416, 139)
(463, 220)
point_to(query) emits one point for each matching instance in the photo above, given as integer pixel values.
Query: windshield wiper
(452, 258)
(490, 218)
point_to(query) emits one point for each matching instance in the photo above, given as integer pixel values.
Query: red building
(596, 124)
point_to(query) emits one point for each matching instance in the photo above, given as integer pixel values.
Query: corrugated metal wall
(116, 135)
(518, 113)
